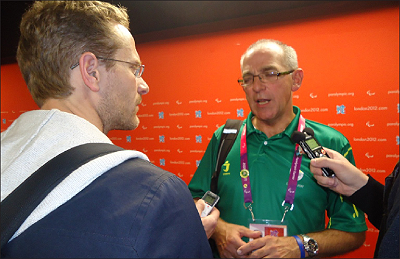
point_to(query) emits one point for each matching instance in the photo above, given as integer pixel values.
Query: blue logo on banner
(162, 162)
(198, 163)
(340, 109)
(198, 139)
(161, 138)
(198, 114)
(128, 139)
(240, 112)
(4, 120)
(397, 140)
(161, 115)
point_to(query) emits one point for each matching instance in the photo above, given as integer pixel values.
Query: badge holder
(268, 227)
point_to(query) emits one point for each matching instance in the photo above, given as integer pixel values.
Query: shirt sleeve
(347, 152)
(174, 226)
(342, 213)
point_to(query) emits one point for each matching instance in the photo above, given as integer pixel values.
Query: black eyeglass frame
(277, 74)
(138, 72)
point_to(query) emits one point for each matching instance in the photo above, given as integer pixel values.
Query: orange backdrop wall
(351, 67)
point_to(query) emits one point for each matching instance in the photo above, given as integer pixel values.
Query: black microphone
(311, 147)
(309, 131)
(298, 136)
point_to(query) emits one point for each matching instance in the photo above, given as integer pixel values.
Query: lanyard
(294, 173)
(245, 174)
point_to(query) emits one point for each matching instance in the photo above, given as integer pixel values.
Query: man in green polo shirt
(266, 197)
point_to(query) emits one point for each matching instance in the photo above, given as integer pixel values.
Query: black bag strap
(228, 137)
(17, 206)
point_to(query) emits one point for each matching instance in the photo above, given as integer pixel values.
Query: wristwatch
(310, 245)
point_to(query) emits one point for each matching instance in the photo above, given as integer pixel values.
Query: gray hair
(290, 56)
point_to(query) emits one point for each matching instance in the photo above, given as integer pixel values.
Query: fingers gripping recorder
(210, 199)
(311, 147)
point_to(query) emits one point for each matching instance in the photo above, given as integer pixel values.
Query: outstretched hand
(348, 178)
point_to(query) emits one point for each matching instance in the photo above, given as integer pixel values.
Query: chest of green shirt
(269, 162)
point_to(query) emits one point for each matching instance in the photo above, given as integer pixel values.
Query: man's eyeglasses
(138, 71)
(266, 77)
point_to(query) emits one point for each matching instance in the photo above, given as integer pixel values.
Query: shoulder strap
(229, 134)
(17, 206)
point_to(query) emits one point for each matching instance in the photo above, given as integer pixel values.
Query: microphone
(311, 147)
(309, 131)
(298, 136)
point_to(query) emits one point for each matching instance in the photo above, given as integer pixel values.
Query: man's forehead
(122, 30)
(265, 57)
(129, 48)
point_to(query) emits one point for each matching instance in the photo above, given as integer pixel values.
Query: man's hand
(209, 222)
(228, 238)
(271, 247)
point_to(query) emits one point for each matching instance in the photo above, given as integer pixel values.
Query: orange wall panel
(15, 97)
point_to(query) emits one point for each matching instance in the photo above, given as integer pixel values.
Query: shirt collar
(289, 129)
(294, 124)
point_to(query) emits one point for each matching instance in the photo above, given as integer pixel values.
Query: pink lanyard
(245, 174)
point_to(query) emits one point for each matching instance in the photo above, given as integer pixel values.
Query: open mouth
(263, 101)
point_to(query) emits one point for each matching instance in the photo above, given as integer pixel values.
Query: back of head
(53, 36)
(290, 56)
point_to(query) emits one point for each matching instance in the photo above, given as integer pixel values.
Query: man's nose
(257, 84)
(143, 88)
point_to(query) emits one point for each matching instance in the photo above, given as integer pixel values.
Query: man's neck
(272, 128)
(82, 111)
(50, 104)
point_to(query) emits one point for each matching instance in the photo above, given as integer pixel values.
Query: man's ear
(297, 79)
(88, 65)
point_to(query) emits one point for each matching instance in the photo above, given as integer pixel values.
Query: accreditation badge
(269, 227)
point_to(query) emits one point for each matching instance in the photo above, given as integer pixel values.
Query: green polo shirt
(269, 161)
